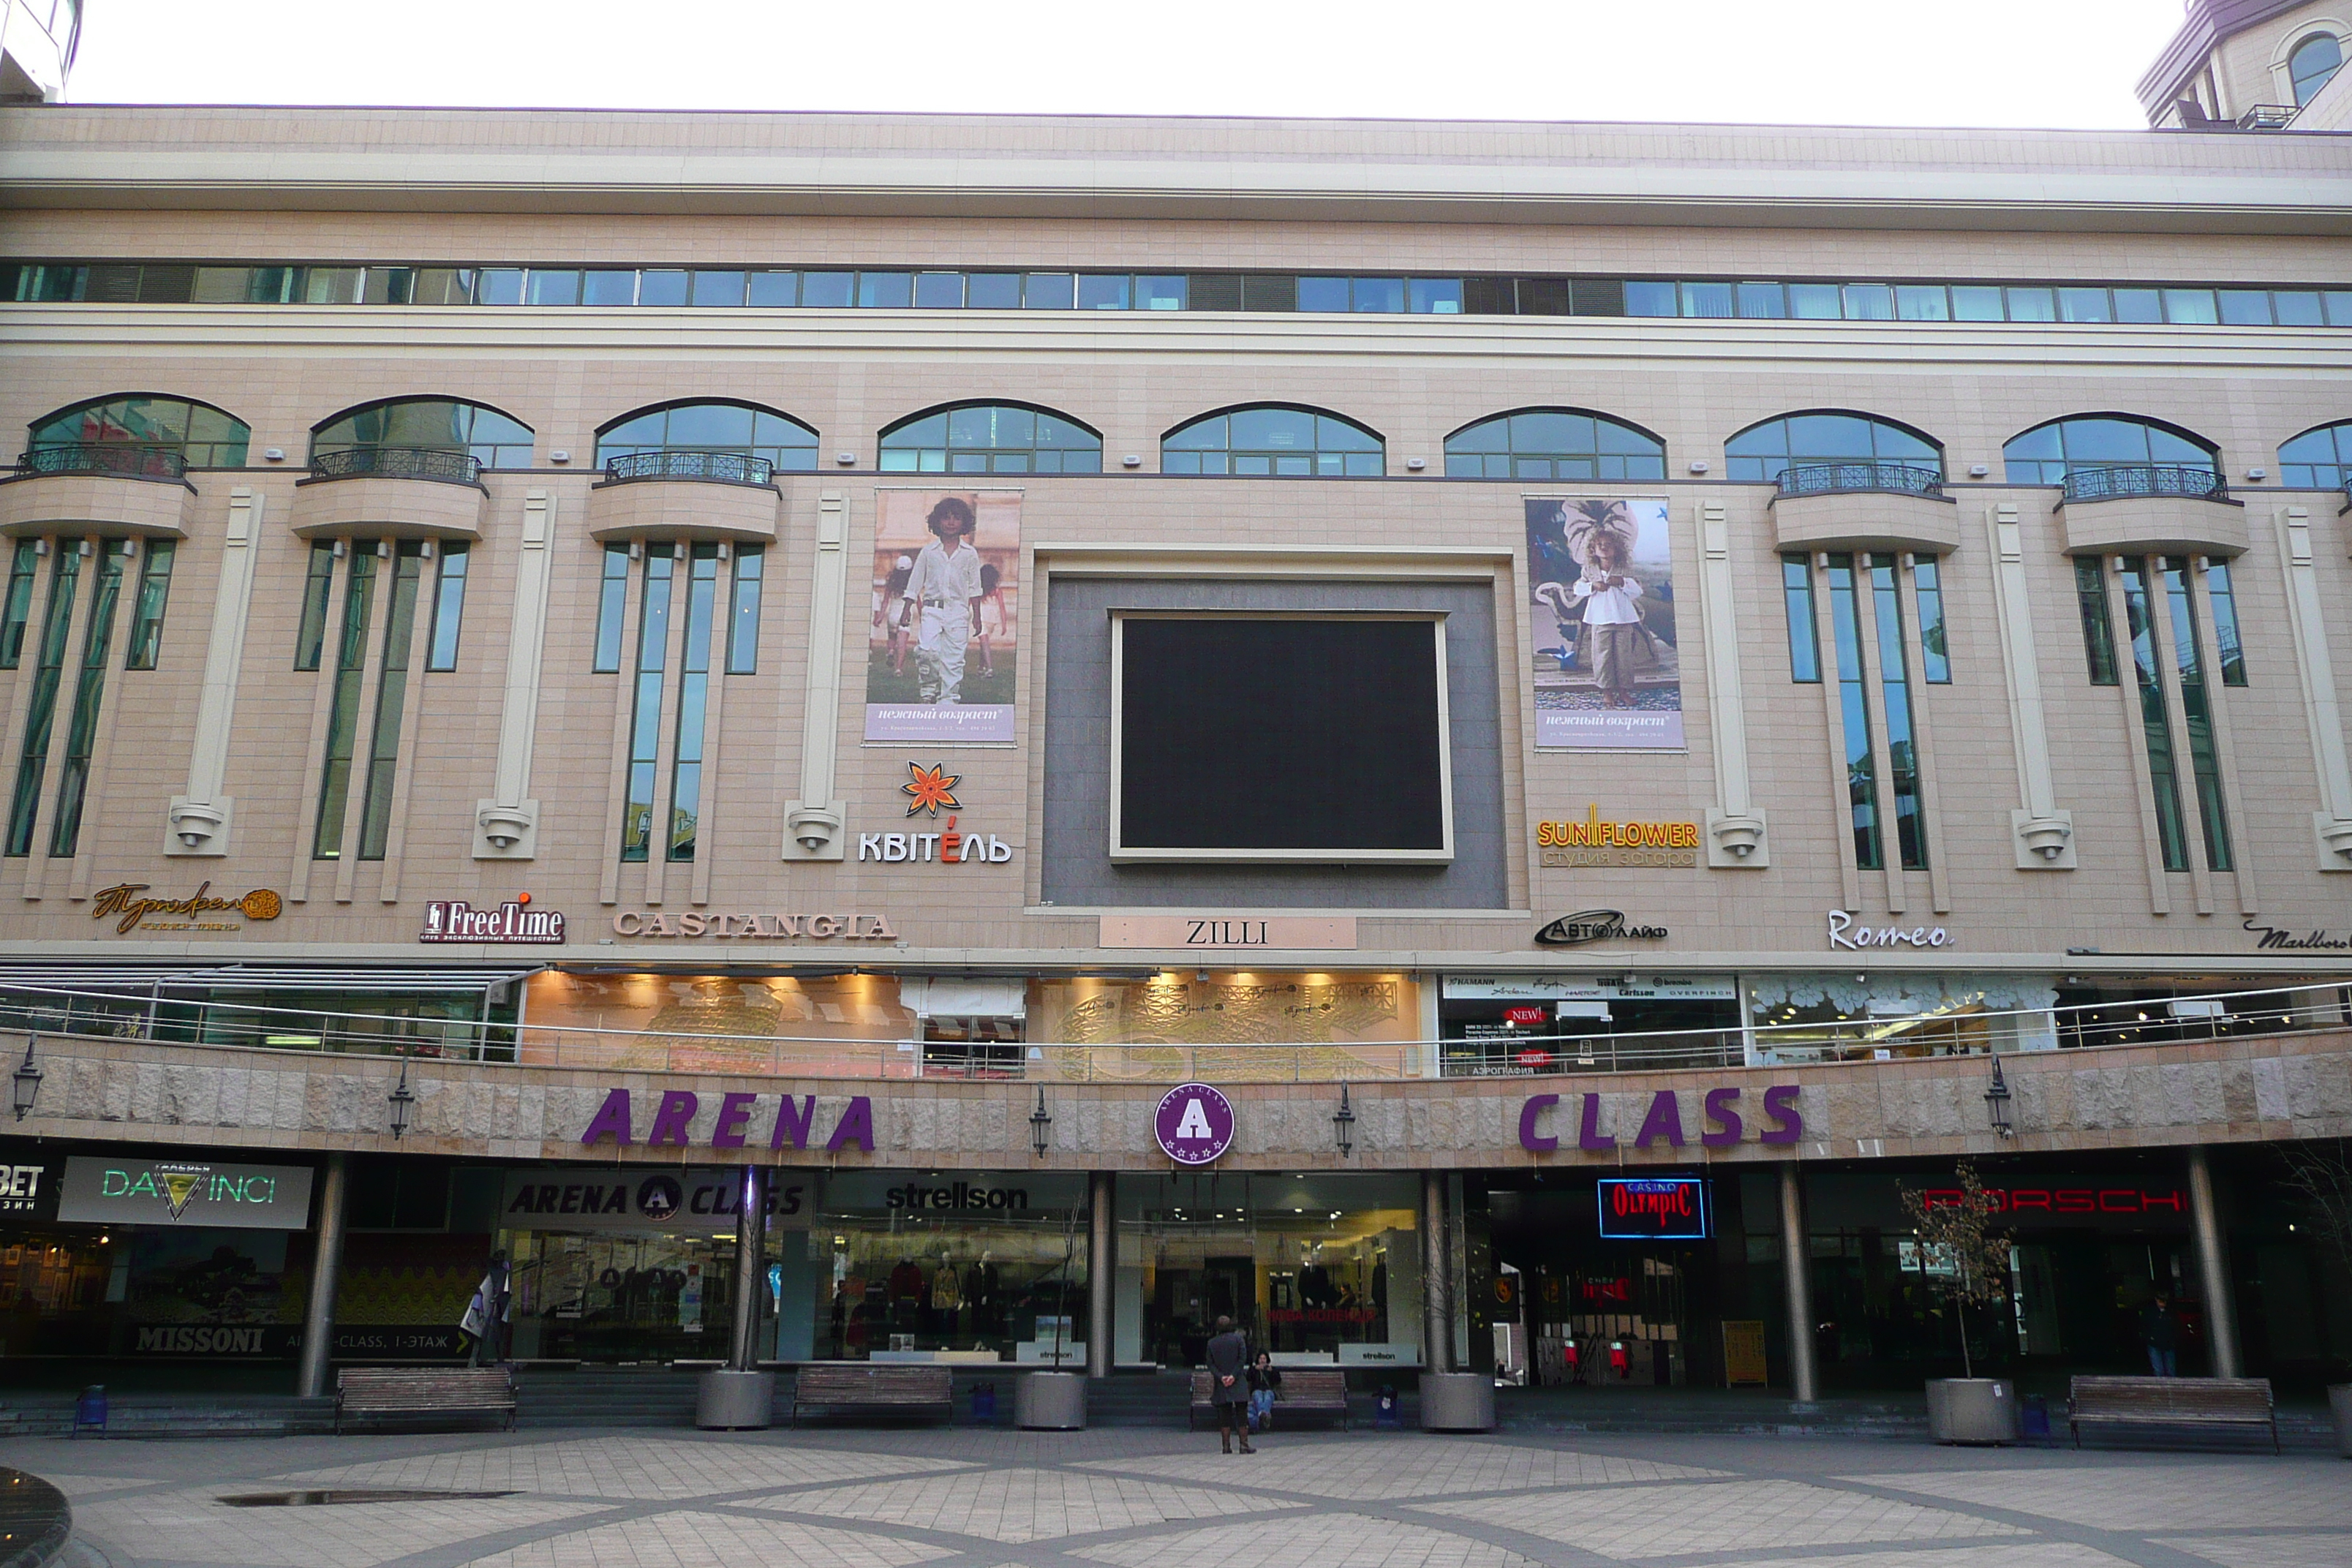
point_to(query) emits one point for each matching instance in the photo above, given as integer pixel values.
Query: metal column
(1796, 1262)
(1102, 1272)
(326, 1273)
(1436, 1274)
(2212, 1266)
(750, 1267)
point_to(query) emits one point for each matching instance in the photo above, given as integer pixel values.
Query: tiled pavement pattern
(1134, 1499)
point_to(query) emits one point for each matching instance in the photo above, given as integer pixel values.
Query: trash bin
(983, 1405)
(89, 1410)
(2037, 1416)
(1384, 1408)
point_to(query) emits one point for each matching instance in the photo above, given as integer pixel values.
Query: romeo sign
(1194, 1124)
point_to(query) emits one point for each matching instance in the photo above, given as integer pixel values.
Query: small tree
(1960, 1252)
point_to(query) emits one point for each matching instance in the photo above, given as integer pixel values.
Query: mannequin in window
(947, 1298)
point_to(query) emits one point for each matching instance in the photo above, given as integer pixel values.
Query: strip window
(612, 607)
(2229, 650)
(390, 699)
(645, 726)
(449, 608)
(1894, 691)
(89, 698)
(2066, 302)
(743, 618)
(49, 674)
(1854, 699)
(2155, 726)
(344, 711)
(2197, 710)
(693, 702)
(2098, 626)
(155, 593)
(17, 609)
(1935, 654)
(1804, 641)
(310, 639)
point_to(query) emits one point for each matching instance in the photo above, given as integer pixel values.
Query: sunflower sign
(1606, 656)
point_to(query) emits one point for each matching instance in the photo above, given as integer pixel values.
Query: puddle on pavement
(336, 1496)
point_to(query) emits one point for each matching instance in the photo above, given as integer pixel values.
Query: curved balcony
(105, 489)
(2151, 509)
(686, 494)
(1864, 506)
(391, 492)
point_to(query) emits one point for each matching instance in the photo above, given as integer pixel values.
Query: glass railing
(1841, 479)
(436, 463)
(117, 458)
(2124, 481)
(730, 467)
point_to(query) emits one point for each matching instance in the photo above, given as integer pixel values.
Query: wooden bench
(1305, 1391)
(885, 1390)
(380, 1392)
(2171, 1402)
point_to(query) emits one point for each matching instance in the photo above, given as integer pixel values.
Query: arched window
(991, 438)
(2314, 60)
(1830, 449)
(707, 440)
(2087, 442)
(1270, 439)
(138, 433)
(2317, 459)
(1553, 444)
(402, 436)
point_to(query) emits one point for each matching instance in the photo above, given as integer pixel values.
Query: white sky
(1860, 62)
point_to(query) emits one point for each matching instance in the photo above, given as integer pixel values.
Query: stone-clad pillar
(326, 1274)
(812, 824)
(1796, 1262)
(2042, 833)
(2212, 1266)
(1437, 1274)
(198, 822)
(1735, 825)
(1102, 1272)
(505, 826)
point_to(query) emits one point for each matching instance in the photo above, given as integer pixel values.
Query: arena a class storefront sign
(1723, 1120)
(792, 1124)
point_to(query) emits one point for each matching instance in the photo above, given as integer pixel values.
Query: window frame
(1377, 455)
(949, 449)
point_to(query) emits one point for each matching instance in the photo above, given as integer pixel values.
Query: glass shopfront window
(1524, 1025)
(1837, 1017)
(1316, 1268)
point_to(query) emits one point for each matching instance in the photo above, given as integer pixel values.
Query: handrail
(1842, 478)
(680, 463)
(2123, 480)
(129, 458)
(51, 1010)
(441, 464)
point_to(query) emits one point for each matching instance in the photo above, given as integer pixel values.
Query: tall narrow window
(2138, 612)
(89, 698)
(2228, 650)
(743, 619)
(1861, 773)
(645, 727)
(2197, 710)
(1804, 643)
(311, 640)
(612, 608)
(449, 608)
(147, 618)
(1935, 656)
(343, 712)
(1894, 691)
(390, 699)
(17, 609)
(693, 702)
(2098, 628)
(48, 672)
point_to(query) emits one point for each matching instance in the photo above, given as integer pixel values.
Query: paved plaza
(1119, 1499)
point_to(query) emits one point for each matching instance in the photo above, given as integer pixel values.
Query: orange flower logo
(931, 789)
(262, 904)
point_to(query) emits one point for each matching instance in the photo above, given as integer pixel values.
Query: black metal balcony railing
(735, 468)
(2124, 480)
(1836, 479)
(438, 463)
(122, 458)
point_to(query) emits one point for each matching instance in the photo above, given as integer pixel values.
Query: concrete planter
(735, 1401)
(1050, 1402)
(1457, 1402)
(1974, 1410)
(2339, 1405)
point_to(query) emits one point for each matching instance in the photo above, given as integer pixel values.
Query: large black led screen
(1319, 738)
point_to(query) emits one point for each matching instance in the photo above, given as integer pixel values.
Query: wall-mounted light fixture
(1417, 464)
(1343, 1124)
(273, 453)
(844, 458)
(1979, 470)
(1132, 460)
(25, 1083)
(559, 455)
(1699, 466)
(403, 1101)
(1997, 1101)
(1041, 1125)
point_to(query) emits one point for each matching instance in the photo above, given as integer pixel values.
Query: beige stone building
(878, 648)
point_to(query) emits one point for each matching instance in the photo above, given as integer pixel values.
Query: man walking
(1229, 1388)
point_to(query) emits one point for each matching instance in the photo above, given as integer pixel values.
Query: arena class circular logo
(1194, 1124)
(659, 1197)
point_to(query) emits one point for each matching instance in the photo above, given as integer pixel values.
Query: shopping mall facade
(549, 658)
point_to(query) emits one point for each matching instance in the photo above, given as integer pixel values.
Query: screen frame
(1706, 1209)
(1441, 855)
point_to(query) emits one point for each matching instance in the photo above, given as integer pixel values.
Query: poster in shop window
(1606, 656)
(943, 639)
